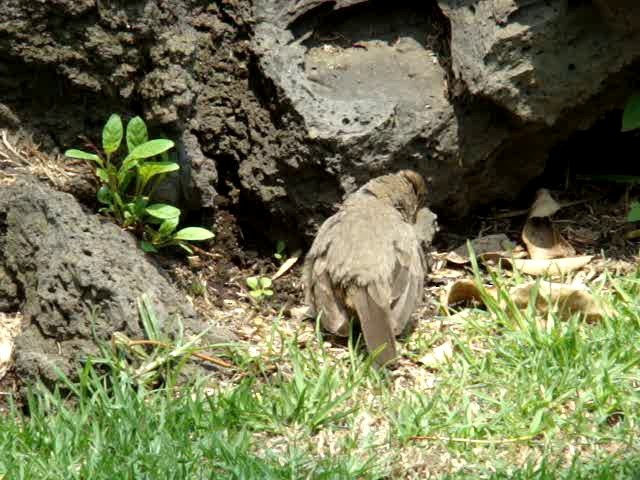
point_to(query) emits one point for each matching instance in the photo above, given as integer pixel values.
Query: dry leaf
(439, 355)
(543, 240)
(300, 313)
(569, 298)
(9, 329)
(6, 349)
(465, 290)
(540, 235)
(489, 245)
(284, 268)
(544, 205)
(554, 267)
(444, 274)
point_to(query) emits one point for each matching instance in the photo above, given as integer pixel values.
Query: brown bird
(366, 261)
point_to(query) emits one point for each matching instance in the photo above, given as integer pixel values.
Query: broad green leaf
(147, 247)
(634, 212)
(104, 195)
(150, 169)
(163, 211)
(140, 206)
(193, 234)
(102, 175)
(112, 134)
(255, 293)
(267, 292)
(73, 153)
(252, 283)
(151, 148)
(631, 114)
(265, 282)
(136, 133)
(168, 226)
(128, 163)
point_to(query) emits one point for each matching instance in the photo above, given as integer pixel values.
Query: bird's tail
(375, 323)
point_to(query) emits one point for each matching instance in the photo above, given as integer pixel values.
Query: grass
(523, 397)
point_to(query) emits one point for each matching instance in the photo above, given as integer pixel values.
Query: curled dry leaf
(439, 355)
(570, 299)
(497, 245)
(544, 205)
(465, 290)
(543, 240)
(553, 267)
(540, 235)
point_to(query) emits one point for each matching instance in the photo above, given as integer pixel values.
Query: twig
(204, 252)
(497, 441)
(286, 266)
(201, 356)
(517, 213)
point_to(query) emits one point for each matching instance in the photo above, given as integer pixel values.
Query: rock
(9, 299)
(80, 277)
(537, 59)
(288, 106)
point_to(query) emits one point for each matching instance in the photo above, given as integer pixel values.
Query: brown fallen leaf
(544, 205)
(570, 299)
(444, 274)
(300, 313)
(553, 267)
(10, 326)
(496, 245)
(465, 290)
(439, 355)
(540, 235)
(6, 349)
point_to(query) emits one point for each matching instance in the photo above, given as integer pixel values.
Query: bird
(367, 261)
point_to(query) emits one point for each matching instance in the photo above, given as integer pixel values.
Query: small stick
(517, 213)
(204, 252)
(476, 441)
(201, 356)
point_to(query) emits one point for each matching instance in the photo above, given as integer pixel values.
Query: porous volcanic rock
(78, 279)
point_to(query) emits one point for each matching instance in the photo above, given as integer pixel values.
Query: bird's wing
(321, 293)
(407, 282)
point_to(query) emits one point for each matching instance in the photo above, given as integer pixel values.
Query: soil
(214, 278)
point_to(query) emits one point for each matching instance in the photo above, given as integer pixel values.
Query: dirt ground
(214, 279)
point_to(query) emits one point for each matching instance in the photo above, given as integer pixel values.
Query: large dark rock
(79, 277)
(295, 104)
(538, 59)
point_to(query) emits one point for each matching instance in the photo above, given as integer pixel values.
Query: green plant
(280, 251)
(259, 287)
(127, 184)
